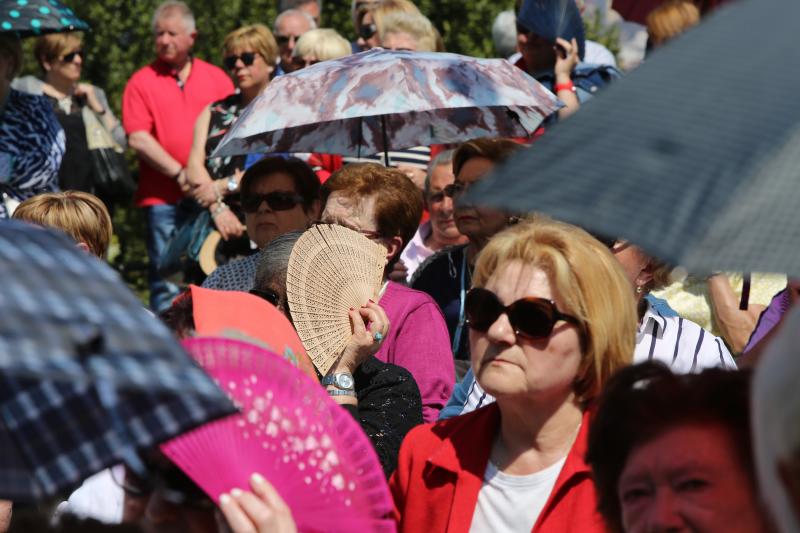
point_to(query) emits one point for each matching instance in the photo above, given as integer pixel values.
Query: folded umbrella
(380, 100)
(693, 156)
(36, 17)
(88, 377)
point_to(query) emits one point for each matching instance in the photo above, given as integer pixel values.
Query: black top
(389, 405)
(75, 172)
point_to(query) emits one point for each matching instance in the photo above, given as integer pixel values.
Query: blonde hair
(257, 37)
(11, 49)
(50, 47)
(80, 215)
(414, 24)
(387, 7)
(323, 44)
(670, 19)
(589, 281)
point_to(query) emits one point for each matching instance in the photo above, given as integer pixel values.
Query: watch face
(232, 185)
(344, 381)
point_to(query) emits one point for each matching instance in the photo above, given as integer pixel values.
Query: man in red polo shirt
(159, 108)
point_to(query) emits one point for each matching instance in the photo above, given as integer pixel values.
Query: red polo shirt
(440, 472)
(154, 102)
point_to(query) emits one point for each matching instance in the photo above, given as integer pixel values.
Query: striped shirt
(680, 344)
(416, 157)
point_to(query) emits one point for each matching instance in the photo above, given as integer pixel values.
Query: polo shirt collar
(165, 68)
(650, 315)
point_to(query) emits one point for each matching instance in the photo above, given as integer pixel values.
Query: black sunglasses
(70, 57)
(366, 31)
(277, 201)
(247, 59)
(283, 40)
(268, 295)
(533, 318)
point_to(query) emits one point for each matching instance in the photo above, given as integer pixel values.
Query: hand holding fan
(331, 269)
(313, 452)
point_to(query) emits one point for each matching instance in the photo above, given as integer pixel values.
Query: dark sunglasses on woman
(366, 31)
(70, 57)
(277, 201)
(532, 318)
(247, 59)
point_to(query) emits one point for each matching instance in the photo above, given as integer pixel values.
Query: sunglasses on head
(283, 40)
(366, 31)
(70, 57)
(532, 318)
(247, 59)
(277, 201)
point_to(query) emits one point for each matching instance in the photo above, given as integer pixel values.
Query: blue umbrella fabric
(693, 156)
(554, 18)
(28, 18)
(88, 377)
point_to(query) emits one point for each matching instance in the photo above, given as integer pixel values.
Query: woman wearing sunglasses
(60, 57)
(250, 53)
(278, 195)
(550, 319)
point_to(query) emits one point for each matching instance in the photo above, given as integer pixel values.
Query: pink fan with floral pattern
(290, 431)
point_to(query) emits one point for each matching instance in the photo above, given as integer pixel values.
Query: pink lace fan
(290, 431)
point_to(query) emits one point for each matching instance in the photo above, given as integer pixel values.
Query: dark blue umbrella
(88, 377)
(553, 18)
(36, 17)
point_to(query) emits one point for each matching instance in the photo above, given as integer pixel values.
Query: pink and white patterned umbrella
(380, 100)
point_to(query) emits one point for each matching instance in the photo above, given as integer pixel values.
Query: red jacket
(440, 472)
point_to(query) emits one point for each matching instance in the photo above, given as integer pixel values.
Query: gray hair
(175, 7)
(274, 260)
(444, 158)
(293, 12)
(504, 33)
(284, 5)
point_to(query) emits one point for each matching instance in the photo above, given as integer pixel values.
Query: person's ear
(645, 277)
(46, 66)
(85, 247)
(394, 246)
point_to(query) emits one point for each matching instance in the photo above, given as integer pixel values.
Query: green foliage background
(121, 42)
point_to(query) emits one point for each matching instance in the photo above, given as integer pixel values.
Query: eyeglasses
(533, 318)
(367, 31)
(70, 57)
(247, 59)
(368, 233)
(299, 62)
(277, 201)
(267, 294)
(283, 40)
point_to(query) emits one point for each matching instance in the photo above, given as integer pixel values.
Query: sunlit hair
(323, 44)
(10, 48)
(417, 26)
(495, 150)
(80, 215)
(312, 24)
(670, 19)
(387, 7)
(398, 202)
(589, 282)
(443, 159)
(50, 47)
(255, 37)
(174, 7)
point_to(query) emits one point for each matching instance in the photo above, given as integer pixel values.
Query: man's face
(173, 40)
(290, 29)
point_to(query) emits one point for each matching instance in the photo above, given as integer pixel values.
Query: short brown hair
(591, 284)
(11, 49)
(54, 45)
(398, 202)
(80, 215)
(306, 181)
(255, 36)
(670, 19)
(495, 150)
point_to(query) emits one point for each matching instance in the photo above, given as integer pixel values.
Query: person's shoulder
(29, 104)
(144, 74)
(411, 297)
(697, 348)
(445, 261)
(385, 373)
(435, 433)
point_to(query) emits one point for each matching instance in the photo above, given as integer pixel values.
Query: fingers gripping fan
(312, 451)
(331, 269)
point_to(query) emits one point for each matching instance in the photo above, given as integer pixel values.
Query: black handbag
(111, 177)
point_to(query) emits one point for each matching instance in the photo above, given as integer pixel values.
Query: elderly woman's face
(702, 489)
(477, 223)
(506, 364)
(270, 221)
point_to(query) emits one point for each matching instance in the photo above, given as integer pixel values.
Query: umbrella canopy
(87, 375)
(36, 17)
(693, 156)
(379, 100)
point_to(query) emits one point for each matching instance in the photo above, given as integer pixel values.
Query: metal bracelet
(336, 392)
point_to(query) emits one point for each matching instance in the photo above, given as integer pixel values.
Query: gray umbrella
(695, 156)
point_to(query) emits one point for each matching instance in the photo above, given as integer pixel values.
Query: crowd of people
(514, 372)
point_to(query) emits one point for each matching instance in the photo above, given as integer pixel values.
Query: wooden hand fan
(331, 269)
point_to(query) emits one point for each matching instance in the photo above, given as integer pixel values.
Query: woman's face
(249, 76)
(268, 223)
(507, 365)
(479, 224)
(368, 33)
(702, 489)
(68, 66)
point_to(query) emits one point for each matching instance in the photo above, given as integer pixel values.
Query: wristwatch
(334, 392)
(232, 184)
(341, 380)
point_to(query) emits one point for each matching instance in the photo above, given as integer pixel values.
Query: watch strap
(339, 392)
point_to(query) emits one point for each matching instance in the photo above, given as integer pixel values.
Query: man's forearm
(149, 150)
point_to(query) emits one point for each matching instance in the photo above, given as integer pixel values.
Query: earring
(639, 289)
(513, 220)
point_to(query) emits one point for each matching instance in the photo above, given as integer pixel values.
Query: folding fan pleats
(331, 269)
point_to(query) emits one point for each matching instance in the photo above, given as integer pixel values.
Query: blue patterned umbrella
(88, 377)
(36, 17)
